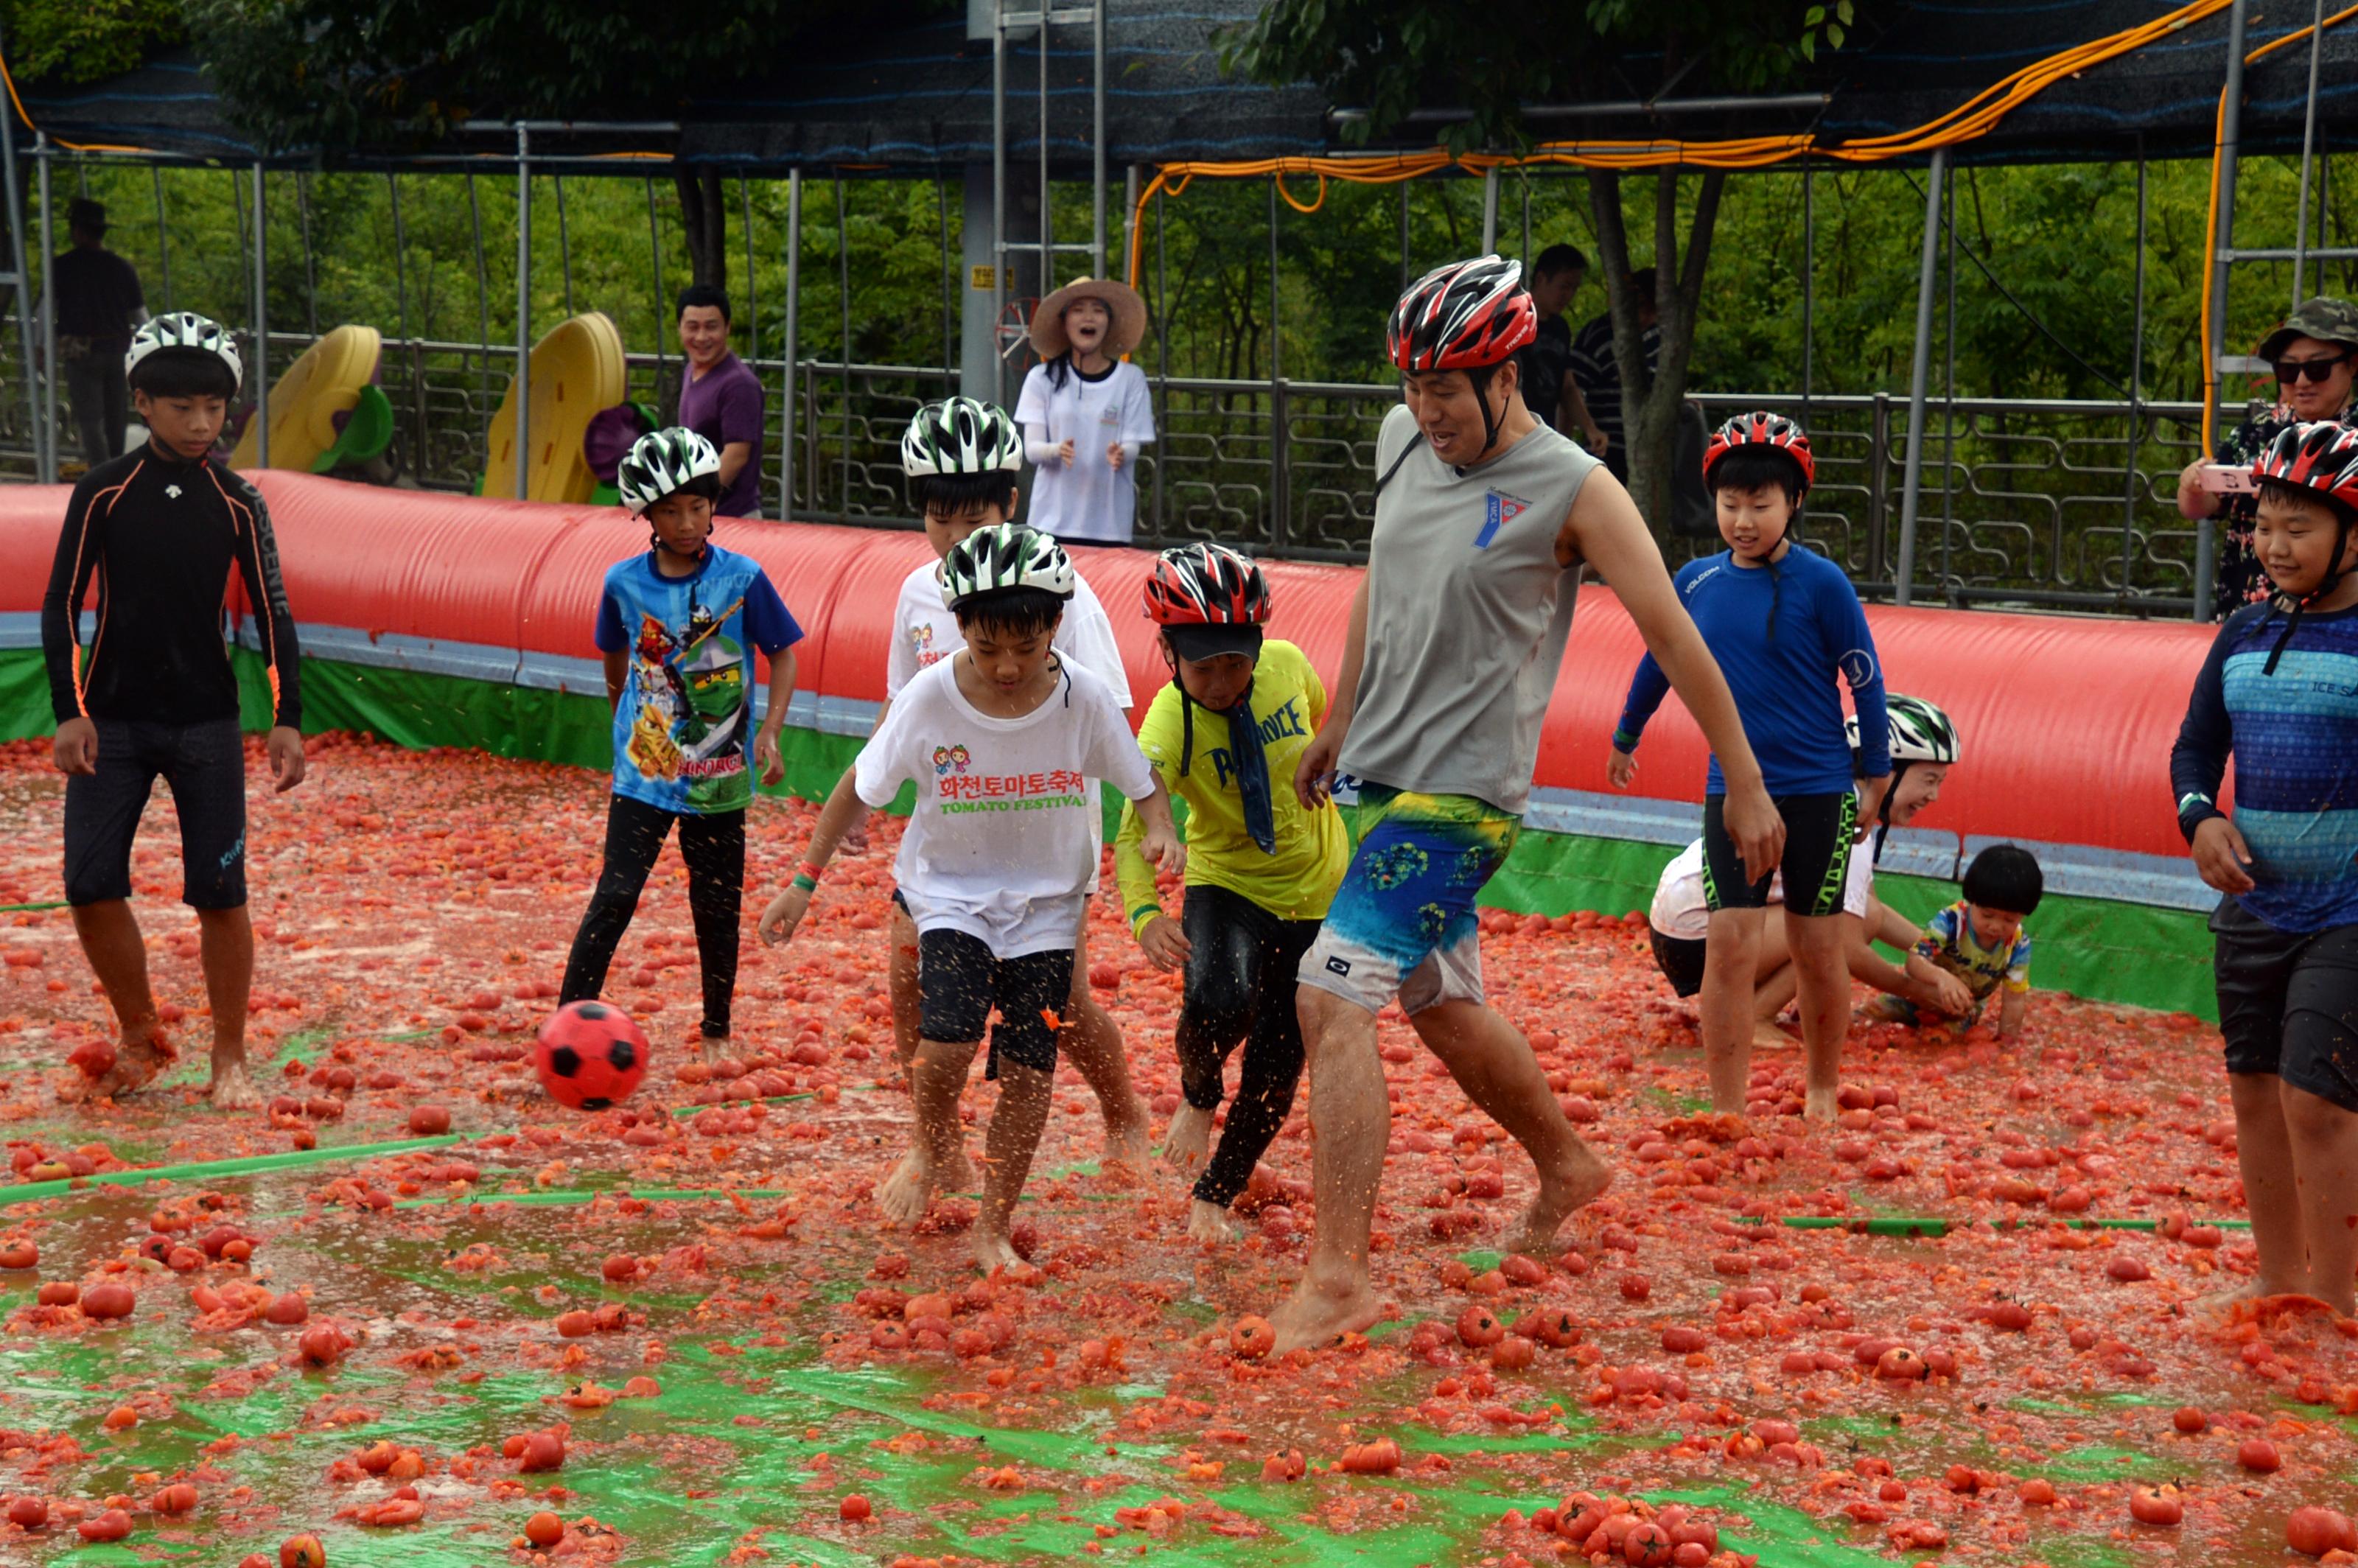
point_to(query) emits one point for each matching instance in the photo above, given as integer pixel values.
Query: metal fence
(2061, 504)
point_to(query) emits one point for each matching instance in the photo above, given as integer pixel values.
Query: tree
(343, 75)
(1397, 56)
(63, 43)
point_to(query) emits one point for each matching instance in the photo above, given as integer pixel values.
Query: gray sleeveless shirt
(1468, 613)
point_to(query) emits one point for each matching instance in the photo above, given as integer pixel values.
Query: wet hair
(1559, 258)
(186, 372)
(959, 492)
(2288, 494)
(1756, 468)
(703, 294)
(2005, 877)
(1011, 612)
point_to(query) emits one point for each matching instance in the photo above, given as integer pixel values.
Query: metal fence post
(1280, 504)
(794, 341)
(1878, 486)
(523, 315)
(261, 381)
(45, 438)
(2136, 388)
(1919, 372)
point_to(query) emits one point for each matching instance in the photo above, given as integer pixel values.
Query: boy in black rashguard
(152, 694)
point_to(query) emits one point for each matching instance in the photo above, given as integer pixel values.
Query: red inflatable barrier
(2067, 722)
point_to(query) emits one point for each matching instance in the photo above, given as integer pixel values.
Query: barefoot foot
(907, 1191)
(714, 1048)
(994, 1251)
(2219, 1305)
(1578, 1181)
(232, 1089)
(1818, 1104)
(1188, 1141)
(1315, 1315)
(1767, 1036)
(1210, 1222)
(1127, 1141)
(136, 1063)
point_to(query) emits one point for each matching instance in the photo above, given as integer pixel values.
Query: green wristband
(1139, 916)
(804, 881)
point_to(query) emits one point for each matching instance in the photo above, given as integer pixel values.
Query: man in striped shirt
(1596, 370)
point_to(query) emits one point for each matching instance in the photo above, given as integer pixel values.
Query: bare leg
(901, 981)
(118, 957)
(936, 1081)
(226, 941)
(2271, 1189)
(1731, 953)
(1493, 1064)
(1350, 1125)
(1774, 985)
(2325, 1162)
(1091, 1041)
(1013, 1138)
(1821, 976)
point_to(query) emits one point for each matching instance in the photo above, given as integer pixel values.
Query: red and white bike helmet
(1470, 315)
(1762, 429)
(1208, 598)
(2322, 457)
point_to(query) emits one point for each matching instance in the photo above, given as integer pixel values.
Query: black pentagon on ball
(622, 1055)
(565, 1061)
(592, 1010)
(597, 1102)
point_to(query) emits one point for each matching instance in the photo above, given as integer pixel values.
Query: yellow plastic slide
(577, 370)
(302, 408)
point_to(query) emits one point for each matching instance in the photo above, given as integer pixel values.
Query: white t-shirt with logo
(924, 632)
(999, 845)
(1087, 498)
(1680, 911)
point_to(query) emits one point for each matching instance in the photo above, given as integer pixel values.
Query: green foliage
(1394, 55)
(340, 74)
(63, 43)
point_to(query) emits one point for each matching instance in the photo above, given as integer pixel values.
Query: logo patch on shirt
(1857, 668)
(1498, 509)
(949, 760)
(173, 490)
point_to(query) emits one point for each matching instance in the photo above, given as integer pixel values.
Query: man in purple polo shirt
(721, 399)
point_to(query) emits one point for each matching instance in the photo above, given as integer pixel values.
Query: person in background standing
(99, 303)
(1085, 411)
(2312, 354)
(722, 399)
(1549, 391)
(1597, 371)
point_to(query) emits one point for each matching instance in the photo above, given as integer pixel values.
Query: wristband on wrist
(806, 882)
(1139, 916)
(810, 869)
(1624, 743)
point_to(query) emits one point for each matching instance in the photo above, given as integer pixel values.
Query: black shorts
(1241, 954)
(204, 766)
(959, 981)
(2288, 1002)
(1818, 833)
(1680, 960)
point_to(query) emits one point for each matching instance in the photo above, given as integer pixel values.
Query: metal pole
(1162, 363)
(752, 308)
(18, 263)
(524, 316)
(261, 378)
(1098, 243)
(564, 242)
(483, 294)
(1047, 216)
(843, 295)
(400, 258)
(2307, 145)
(1490, 210)
(1919, 371)
(998, 268)
(1281, 500)
(1808, 284)
(1948, 391)
(45, 440)
(949, 292)
(1524, 180)
(1403, 242)
(2136, 384)
(794, 337)
(163, 241)
(2215, 331)
(311, 272)
(654, 249)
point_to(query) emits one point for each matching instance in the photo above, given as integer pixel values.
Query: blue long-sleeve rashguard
(1783, 683)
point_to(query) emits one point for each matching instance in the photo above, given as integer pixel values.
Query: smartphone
(2227, 479)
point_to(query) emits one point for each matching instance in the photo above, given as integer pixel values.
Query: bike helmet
(1470, 315)
(960, 435)
(1920, 731)
(663, 463)
(1773, 431)
(1005, 556)
(1209, 600)
(179, 334)
(2322, 457)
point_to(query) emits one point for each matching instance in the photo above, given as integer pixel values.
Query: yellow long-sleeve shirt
(1298, 881)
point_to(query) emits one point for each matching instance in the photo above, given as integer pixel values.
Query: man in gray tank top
(1484, 521)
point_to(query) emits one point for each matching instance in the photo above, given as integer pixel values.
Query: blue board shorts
(1403, 924)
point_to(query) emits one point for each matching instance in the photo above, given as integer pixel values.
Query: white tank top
(1468, 613)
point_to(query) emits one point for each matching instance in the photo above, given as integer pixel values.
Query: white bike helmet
(181, 333)
(960, 435)
(661, 462)
(1005, 556)
(1920, 731)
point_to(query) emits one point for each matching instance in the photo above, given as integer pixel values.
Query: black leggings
(714, 849)
(1240, 986)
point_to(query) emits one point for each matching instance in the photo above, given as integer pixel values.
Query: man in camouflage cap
(2312, 353)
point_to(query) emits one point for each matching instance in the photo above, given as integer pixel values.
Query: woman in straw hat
(1085, 411)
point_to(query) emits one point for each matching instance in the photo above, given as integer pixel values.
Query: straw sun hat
(1128, 329)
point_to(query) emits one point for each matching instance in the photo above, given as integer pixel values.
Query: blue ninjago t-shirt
(685, 725)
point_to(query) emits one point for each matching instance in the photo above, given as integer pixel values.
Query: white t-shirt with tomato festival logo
(925, 632)
(1001, 844)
